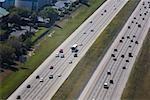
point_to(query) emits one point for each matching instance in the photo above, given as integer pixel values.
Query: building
(33, 4)
(7, 3)
(3, 13)
(3, 16)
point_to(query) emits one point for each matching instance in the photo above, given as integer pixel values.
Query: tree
(17, 45)
(28, 43)
(23, 12)
(7, 53)
(49, 12)
(14, 18)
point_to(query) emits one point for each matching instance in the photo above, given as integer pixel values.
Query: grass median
(138, 85)
(73, 86)
(45, 47)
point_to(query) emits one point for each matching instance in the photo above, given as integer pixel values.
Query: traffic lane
(135, 49)
(108, 93)
(108, 65)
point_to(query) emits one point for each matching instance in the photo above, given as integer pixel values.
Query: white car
(57, 55)
(106, 85)
(41, 79)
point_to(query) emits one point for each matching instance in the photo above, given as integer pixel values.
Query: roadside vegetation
(40, 31)
(45, 47)
(138, 85)
(73, 86)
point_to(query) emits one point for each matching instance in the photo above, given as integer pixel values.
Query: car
(28, 86)
(128, 37)
(76, 50)
(122, 56)
(139, 25)
(108, 72)
(57, 55)
(51, 67)
(51, 77)
(136, 42)
(115, 59)
(129, 27)
(111, 81)
(37, 77)
(62, 56)
(130, 55)
(18, 97)
(61, 50)
(106, 85)
(127, 60)
(129, 46)
(112, 55)
(120, 41)
(75, 55)
(92, 30)
(59, 75)
(122, 37)
(41, 79)
(70, 62)
(115, 50)
(123, 67)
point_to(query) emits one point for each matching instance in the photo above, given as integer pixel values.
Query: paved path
(86, 34)
(119, 63)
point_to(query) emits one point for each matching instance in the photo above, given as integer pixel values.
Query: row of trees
(13, 49)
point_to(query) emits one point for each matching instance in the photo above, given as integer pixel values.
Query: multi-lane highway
(53, 77)
(111, 75)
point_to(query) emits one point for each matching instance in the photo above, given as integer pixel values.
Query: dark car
(51, 77)
(75, 55)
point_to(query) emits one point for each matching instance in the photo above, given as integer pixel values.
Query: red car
(61, 51)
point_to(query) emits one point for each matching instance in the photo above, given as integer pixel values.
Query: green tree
(14, 18)
(17, 45)
(7, 53)
(23, 12)
(49, 12)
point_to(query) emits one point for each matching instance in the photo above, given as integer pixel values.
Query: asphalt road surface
(84, 36)
(115, 67)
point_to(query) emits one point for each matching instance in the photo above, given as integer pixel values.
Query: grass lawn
(73, 86)
(40, 31)
(138, 86)
(45, 47)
